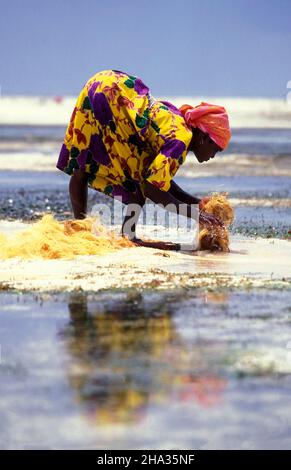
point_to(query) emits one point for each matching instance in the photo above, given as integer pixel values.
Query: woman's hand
(209, 220)
(203, 202)
(159, 245)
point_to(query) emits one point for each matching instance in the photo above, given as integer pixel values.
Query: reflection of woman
(123, 142)
(129, 354)
(113, 350)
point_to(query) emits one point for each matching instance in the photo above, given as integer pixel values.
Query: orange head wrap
(209, 118)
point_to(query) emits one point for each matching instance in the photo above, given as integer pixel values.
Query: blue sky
(178, 47)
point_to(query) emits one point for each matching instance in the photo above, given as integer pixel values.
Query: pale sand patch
(251, 263)
(232, 164)
(260, 202)
(226, 165)
(263, 361)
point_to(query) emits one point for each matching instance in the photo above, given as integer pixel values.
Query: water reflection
(125, 355)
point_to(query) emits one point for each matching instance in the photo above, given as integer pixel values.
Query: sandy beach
(250, 263)
(145, 348)
(245, 112)
(139, 355)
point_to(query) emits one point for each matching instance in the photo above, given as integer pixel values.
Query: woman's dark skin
(204, 149)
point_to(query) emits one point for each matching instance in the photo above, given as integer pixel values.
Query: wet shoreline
(262, 212)
(145, 370)
(151, 350)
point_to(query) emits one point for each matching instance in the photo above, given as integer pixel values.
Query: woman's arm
(78, 189)
(172, 203)
(180, 194)
(128, 229)
(168, 200)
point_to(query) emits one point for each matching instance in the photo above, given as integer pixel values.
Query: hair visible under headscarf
(209, 118)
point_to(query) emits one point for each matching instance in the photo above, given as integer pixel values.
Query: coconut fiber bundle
(216, 238)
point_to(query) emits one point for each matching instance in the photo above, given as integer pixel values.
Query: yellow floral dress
(121, 136)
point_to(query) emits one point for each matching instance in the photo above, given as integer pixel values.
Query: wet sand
(144, 348)
(150, 370)
(250, 262)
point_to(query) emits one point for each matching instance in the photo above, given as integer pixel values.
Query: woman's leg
(78, 189)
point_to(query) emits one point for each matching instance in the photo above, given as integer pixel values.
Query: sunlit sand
(251, 262)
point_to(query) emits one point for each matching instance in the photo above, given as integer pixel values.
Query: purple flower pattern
(110, 141)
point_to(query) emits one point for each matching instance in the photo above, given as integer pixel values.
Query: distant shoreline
(56, 111)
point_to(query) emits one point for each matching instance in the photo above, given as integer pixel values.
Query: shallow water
(180, 369)
(256, 166)
(28, 195)
(154, 370)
